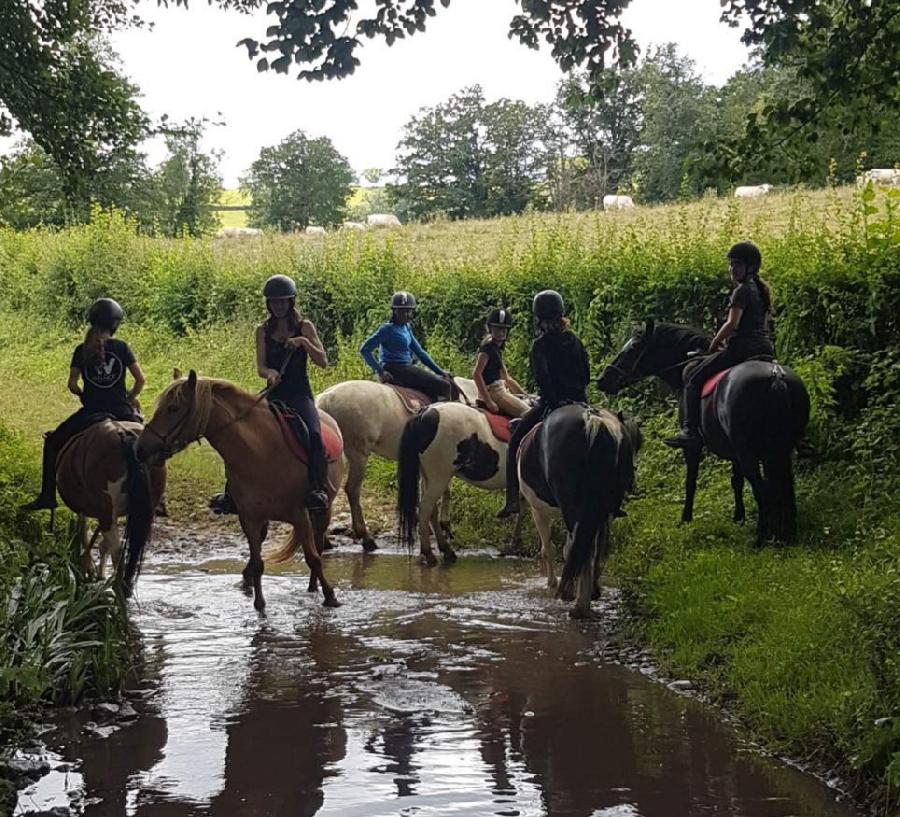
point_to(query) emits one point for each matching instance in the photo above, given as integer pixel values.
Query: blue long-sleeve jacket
(397, 344)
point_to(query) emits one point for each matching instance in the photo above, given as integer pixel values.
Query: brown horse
(99, 477)
(265, 479)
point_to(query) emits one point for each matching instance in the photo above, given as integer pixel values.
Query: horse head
(177, 420)
(626, 366)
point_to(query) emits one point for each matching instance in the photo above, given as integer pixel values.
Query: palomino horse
(443, 441)
(266, 480)
(580, 461)
(99, 477)
(756, 415)
(372, 417)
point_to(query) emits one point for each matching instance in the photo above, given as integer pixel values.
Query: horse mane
(676, 336)
(196, 422)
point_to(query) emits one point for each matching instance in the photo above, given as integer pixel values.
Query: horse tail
(417, 435)
(139, 520)
(286, 550)
(597, 497)
(776, 459)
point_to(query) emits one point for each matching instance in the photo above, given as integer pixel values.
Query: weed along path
(439, 691)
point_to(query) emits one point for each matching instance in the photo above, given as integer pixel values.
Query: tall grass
(802, 642)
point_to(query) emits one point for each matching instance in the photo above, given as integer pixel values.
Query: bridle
(630, 377)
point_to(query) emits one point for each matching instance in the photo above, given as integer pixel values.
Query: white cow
(382, 220)
(353, 225)
(237, 232)
(313, 229)
(887, 176)
(617, 203)
(751, 191)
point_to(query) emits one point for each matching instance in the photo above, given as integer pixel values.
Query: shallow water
(442, 691)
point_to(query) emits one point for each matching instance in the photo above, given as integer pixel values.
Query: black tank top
(295, 378)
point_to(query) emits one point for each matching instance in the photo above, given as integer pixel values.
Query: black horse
(754, 418)
(580, 461)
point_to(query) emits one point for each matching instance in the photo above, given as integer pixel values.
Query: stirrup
(685, 438)
(317, 501)
(42, 503)
(222, 504)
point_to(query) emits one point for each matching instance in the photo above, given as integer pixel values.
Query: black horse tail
(597, 497)
(418, 434)
(776, 460)
(139, 521)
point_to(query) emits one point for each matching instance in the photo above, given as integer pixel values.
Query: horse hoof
(565, 594)
(552, 583)
(450, 557)
(331, 601)
(578, 614)
(369, 545)
(260, 606)
(327, 544)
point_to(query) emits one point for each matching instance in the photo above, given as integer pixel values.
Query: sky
(189, 65)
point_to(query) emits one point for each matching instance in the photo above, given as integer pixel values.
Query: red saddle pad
(499, 425)
(334, 445)
(710, 385)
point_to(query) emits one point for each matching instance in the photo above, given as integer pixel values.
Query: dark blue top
(295, 375)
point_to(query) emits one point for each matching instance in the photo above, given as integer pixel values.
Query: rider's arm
(367, 350)
(478, 377)
(74, 376)
(511, 383)
(139, 380)
(314, 347)
(269, 375)
(540, 369)
(728, 328)
(420, 353)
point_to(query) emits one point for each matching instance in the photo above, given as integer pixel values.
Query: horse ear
(649, 326)
(176, 374)
(192, 380)
(621, 416)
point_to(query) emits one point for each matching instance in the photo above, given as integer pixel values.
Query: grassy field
(801, 643)
(233, 218)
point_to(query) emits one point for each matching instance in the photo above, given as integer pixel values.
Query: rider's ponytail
(94, 351)
(764, 292)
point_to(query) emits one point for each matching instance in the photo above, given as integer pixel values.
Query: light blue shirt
(397, 344)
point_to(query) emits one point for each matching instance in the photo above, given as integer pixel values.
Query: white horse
(372, 417)
(445, 440)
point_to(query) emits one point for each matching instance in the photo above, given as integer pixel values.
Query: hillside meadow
(801, 643)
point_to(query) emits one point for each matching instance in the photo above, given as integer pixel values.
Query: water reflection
(460, 691)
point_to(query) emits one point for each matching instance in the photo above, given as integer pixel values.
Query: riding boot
(511, 508)
(46, 500)
(317, 495)
(689, 434)
(222, 504)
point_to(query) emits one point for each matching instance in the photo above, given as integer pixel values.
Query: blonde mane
(196, 421)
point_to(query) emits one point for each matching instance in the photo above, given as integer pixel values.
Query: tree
(372, 174)
(298, 181)
(31, 191)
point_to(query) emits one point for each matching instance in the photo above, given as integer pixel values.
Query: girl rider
(285, 343)
(495, 387)
(744, 334)
(100, 363)
(398, 346)
(561, 370)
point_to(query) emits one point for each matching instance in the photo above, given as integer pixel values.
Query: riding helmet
(280, 286)
(548, 305)
(746, 252)
(500, 317)
(105, 313)
(403, 300)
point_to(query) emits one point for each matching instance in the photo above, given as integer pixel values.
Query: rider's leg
(317, 496)
(53, 444)
(508, 403)
(689, 435)
(415, 377)
(529, 420)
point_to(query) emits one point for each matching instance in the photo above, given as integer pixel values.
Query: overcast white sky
(189, 66)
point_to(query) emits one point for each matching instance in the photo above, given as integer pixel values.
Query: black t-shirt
(561, 369)
(104, 379)
(753, 324)
(494, 365)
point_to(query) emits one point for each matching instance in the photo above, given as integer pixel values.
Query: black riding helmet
(403, 300)
(105, 313)
(500, 317)
(548, 305)
(280, 286)
(746, 252)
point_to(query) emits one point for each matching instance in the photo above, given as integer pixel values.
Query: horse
(578, 462)
(265, 478)
(372, 417)
(754, 418)
(99, 477)
(443, 441)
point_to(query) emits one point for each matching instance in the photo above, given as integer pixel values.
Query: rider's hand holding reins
(273, 378)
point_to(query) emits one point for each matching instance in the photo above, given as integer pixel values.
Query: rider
(285, 342)
(744, 334)
(561, 370)
(100, 362)
(398, 346)
(495, 387)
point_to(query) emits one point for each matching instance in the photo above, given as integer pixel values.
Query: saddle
(296, 434)
(710, 385)
(413, 400)
(499, 424)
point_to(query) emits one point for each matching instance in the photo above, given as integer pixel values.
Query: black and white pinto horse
(579, 462)
(443, 441)
(755, 417)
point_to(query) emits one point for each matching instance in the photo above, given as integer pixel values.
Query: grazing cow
(887, 176)
(618, 203)
(313, 229)
(238, 232)
(382, 220)
(752, 191)
(353, 225)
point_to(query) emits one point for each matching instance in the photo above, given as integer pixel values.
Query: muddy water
(460, 691)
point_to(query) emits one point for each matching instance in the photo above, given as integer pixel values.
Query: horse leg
(750, 467)
(255, 530)
(692, 461)
(737, 485)
(427, 511)
(247, 572)
(303, 530)
(542, 521)
(356, 463)
(584, 585)
(444, 521)
(110, 547)
(601, 553)
(320, 522)
(515, 544)
(567, 592)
